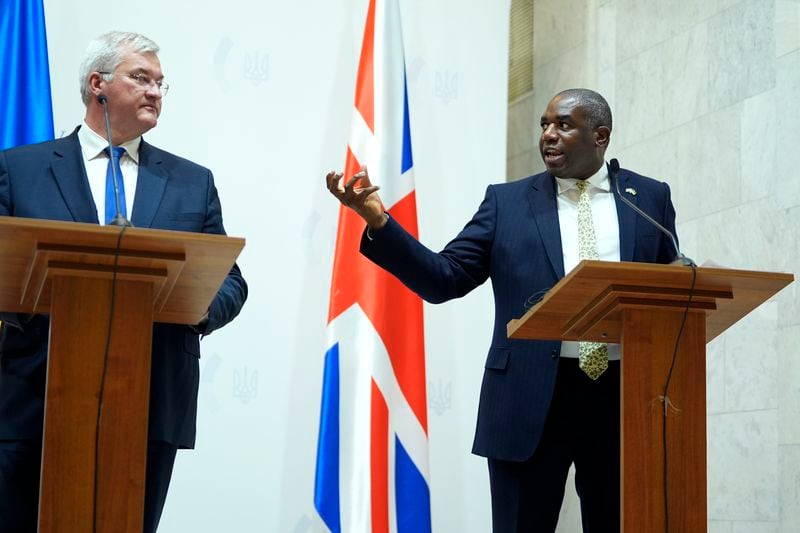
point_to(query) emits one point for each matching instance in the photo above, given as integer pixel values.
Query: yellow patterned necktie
(592, 356)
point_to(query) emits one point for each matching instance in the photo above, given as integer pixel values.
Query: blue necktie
(111, 204)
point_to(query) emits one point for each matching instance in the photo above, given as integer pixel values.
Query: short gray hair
(105, 53)
(598, 112)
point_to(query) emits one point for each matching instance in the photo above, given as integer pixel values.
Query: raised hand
(360, 195)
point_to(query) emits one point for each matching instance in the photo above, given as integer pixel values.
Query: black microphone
(118, 220)
(680, 259)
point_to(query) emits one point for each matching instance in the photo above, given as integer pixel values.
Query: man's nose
(549, 132)
(154, 91)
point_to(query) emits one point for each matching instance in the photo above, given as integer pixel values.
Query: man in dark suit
(65, 179)
(544, 405)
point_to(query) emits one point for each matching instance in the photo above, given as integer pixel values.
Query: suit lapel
(542, 200)
(150, 186)
(70, 175)
(627, 218)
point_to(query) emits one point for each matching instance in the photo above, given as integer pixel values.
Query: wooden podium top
(186, 268)
(587, 303)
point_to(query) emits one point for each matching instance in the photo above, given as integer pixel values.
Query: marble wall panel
(741, 237)
(605, 35)
(789, 299)
(790, 488)
(720, 526)
(708, 165)
(709, 8)
(756, 527)
(654, 157)
(789, 387)
(569, 71)
(751, 361)
(523, 164)
(645, 24)
(788, 237)
(684, 60)
(523, 131)
(640, 26)
(639, 97)
(787, 26)
(715, 376)
(741, 54)
(606, 43)
(692, 235)
(759, 146)
(786, 184)
(558, 25)
(743, 466)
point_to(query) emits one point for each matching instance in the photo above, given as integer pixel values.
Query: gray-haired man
(65, 179)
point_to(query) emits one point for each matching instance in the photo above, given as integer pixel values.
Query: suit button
(554, 353)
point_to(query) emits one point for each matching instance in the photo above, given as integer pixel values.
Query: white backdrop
(261, 92)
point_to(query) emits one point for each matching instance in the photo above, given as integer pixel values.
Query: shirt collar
(93, 144)
(599, 179)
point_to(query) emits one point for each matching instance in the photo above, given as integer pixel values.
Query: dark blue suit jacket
(514, 239)
(48, 181)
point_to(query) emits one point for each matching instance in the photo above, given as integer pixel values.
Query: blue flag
(26, 110)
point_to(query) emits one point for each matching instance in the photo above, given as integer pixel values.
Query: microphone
(118, 220)
(680, 259)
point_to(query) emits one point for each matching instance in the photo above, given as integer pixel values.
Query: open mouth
(553, 156)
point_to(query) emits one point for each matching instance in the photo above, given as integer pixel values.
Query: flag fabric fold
(25, 81)
(372, 458)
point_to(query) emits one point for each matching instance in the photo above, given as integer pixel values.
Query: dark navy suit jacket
(514, 239)
(48, 181)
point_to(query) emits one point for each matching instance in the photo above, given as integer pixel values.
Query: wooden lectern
(641, 306)
(65, 269)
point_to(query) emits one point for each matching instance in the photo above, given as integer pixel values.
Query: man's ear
(602, 136)
(95, 79)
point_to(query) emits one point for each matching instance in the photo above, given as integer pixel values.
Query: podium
(103, 289)
(642, 307)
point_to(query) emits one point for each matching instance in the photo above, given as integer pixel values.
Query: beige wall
(706, 96)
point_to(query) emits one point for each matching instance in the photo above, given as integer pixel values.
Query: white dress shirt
(95, 161)
(606, 228)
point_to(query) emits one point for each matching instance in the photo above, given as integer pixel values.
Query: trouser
(19, 484)
(582, 428)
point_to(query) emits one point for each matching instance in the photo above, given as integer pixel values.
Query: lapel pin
(631, 191)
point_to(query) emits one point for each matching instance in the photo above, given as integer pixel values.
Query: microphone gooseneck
(680, 259)
(118, 220)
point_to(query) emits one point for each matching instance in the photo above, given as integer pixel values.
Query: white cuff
(369, 233)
